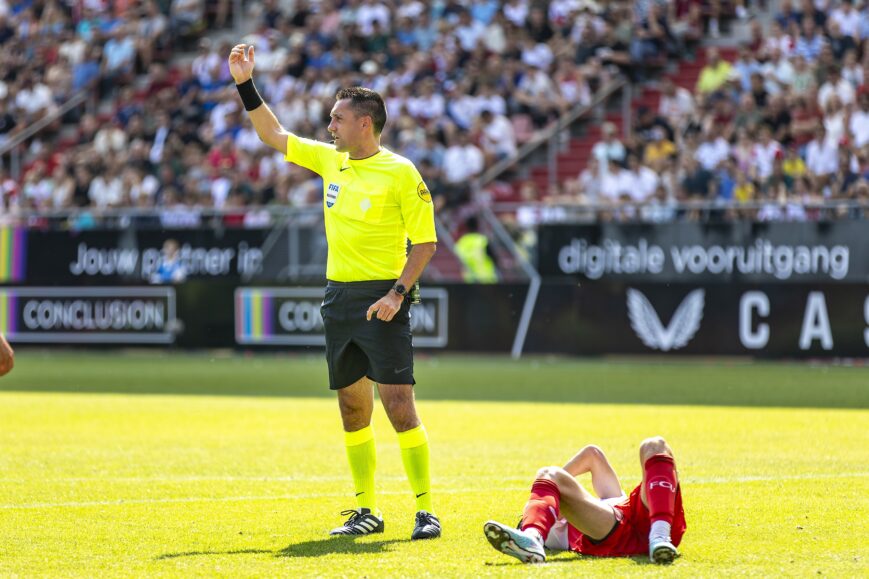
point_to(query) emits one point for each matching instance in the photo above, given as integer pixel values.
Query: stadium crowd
(465, 83)
(783, 129)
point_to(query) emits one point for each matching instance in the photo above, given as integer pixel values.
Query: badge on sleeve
(332, 194)
(423, 193)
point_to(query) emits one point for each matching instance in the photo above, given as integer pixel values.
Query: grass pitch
(109, 466)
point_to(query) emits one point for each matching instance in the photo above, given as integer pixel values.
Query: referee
(374, 200)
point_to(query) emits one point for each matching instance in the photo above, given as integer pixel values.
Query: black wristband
(249, 95)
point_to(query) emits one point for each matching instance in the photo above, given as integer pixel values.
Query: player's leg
(591, 459)
(555, 493)
(584, 511)
(658, 493)
(399, 403)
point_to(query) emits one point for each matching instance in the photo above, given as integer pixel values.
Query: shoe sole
(664, 554)
(375, 530)
(502, 541)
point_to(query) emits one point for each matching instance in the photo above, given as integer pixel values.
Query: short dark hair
(365, 102)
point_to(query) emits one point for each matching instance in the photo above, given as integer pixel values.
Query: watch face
(399, 289)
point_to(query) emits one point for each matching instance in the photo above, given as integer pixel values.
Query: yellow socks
(363, 459)
(362, 455)
(415, 456)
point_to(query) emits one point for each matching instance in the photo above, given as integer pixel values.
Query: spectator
(187, 17)
(803, 77)
(659, 148)
(822, 159)
(858, 124)
(536, 96)
(590, 181)
(746, 66)
(119, 56)
(497, 138)
(793, 165)
(714, 74)
(851, 69)
(838, 42)
(640, 181)
(151, 37)
(7, 122)
(609, 149)
(744, 191)
(697, 182)
(34, 98)
(725, 180)
(106, 189)
(676, 105)
(462, 160)
(838, 86)
(171, 268)
(713, 150)
(810, 43)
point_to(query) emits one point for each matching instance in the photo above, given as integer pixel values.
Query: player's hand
(241, 63)
(386, 307)
(7, 356)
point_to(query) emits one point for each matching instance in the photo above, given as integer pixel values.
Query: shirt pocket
(362, 202)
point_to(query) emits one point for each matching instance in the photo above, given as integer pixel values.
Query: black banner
(765, 320)
(291, 317)
(71, 315)
(707, 252)
(589, 319)
(110, 257)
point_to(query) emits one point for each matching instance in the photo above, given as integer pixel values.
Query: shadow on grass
(203, 553)
(318, 548)
(336, 546)
(560, 557)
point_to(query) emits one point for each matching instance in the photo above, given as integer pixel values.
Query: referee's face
(346, 128)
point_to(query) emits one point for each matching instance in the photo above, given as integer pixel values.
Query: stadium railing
(553, 137)
(13, 146)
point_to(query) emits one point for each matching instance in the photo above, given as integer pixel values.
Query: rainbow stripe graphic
(13, 254)
(254, 311)
(8, 313)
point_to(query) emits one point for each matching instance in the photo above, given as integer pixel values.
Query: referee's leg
(356, 403)
(398, 401)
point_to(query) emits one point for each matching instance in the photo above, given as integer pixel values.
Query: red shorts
(630, 536)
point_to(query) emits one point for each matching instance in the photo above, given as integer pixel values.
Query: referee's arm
(266, 124)
(417, 259)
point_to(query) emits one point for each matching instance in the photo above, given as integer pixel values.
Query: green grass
(246, 478)
(458, 378)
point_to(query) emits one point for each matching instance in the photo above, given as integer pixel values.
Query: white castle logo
(683, 326)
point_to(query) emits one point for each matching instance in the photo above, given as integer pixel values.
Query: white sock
(660, 530)
(534, 533)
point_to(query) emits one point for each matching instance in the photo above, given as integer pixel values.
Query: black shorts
(356, 347)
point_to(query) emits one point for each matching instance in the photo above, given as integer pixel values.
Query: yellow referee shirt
(372, 206)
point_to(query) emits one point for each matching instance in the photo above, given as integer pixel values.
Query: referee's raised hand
(241, 63)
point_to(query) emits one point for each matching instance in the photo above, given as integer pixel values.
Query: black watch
(400, 290)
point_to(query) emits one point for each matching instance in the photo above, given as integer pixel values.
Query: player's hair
(365, 103)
